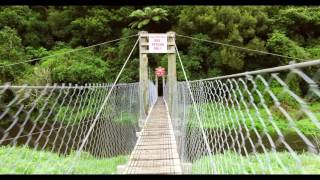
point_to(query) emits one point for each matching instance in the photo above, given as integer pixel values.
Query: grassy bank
(216, 115)
(232, 163)
(21, 160)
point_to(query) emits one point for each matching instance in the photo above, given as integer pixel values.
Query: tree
(11, 51)
(279, 43)
(148, 18)
(300, 23)
(38, 31)
(77, 68)
(116, 55)
(28, 24)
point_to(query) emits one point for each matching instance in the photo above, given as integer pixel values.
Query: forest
(37, 32)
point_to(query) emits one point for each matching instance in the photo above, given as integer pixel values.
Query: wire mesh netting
(256, 122)
(42, 127)
(153, 94)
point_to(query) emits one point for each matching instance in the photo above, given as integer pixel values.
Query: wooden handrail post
(143, 77)
(172, 74)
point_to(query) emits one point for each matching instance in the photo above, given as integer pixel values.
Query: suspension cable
(103, 105)
(59, 54)
(197, 112)
(239, 47)
(267, 70)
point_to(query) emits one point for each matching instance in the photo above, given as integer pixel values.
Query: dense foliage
(28, 32)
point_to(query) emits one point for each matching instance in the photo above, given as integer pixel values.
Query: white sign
(157, 43)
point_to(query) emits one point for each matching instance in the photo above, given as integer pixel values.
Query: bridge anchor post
(172, 72)
(143, 77)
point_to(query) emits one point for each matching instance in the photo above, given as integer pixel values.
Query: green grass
(219, 116)
(230, 163)
(22, 160)
(66, 115)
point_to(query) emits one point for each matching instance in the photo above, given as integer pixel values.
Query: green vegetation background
(28, 32)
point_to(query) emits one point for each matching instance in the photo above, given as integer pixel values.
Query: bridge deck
(155, 151)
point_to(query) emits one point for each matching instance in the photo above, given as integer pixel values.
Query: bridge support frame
(143, 76)
(172, 72)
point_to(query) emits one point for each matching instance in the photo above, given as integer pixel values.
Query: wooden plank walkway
(156, 150)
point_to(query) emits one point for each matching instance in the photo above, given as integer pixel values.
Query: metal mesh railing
(264, 121)
(153, 94)
(41, 127)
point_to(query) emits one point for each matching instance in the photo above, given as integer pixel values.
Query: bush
(77, 68)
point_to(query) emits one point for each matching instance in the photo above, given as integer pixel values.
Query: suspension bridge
(235, 124)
